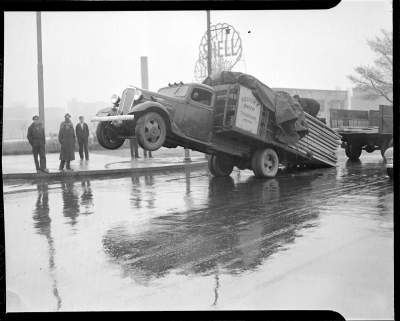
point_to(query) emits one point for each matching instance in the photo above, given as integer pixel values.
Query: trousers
(62, 164)
(39, 151)
(83, 147)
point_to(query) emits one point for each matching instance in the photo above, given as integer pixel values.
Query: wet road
(315, 239)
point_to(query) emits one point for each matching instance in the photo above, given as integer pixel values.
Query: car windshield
(179, 91)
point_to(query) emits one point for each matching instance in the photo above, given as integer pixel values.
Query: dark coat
(36, 135)
(66, 137)
(82, 134)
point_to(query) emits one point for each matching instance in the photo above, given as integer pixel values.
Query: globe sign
(226, 50)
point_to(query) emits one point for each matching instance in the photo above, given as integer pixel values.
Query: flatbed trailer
(363, 130)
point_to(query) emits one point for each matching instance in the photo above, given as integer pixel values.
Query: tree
(377, 80)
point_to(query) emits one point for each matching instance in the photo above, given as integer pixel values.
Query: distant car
(389, 161)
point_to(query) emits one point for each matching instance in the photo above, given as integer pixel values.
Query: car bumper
(112, 118)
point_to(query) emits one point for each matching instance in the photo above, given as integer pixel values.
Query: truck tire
(353, 152)
(385, 146)
(107, 136)
(151, 131)
(219, 166)
(265, 163)
(389, 171)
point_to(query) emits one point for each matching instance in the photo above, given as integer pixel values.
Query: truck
(360, 130)
(237, 123)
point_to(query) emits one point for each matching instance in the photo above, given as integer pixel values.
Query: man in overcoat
(82, 133)
(66, 137)
(37, 139)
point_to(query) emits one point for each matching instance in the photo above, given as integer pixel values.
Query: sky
(91, 55)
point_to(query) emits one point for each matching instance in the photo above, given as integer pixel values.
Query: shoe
(70, 170)
(45, 170)
(38, 171)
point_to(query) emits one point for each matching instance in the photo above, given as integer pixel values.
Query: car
(389, 161)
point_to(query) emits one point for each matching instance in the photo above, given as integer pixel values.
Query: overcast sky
(91, 55)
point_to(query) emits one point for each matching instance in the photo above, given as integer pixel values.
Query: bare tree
(377, 80)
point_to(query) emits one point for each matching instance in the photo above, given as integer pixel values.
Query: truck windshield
(179, 91)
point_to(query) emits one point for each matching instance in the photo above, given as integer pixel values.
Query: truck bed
(317, 148)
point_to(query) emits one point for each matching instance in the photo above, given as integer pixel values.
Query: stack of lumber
(320, 144)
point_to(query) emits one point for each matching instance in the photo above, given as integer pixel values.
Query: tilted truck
(236, 119)
(360, 130)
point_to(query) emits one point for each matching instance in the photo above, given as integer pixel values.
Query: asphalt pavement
(179, 240)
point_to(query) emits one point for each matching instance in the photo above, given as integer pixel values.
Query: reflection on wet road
(184, 240)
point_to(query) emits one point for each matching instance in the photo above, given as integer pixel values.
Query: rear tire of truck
(265, 163)
(219, 167)
(353, 152)
(151, 131)
(107, 136)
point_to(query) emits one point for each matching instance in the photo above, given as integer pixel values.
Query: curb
(105, 172)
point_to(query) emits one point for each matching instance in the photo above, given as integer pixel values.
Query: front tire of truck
(151, 131)
(107, 136)
(219, 166)
(353, 152)
(265, 163)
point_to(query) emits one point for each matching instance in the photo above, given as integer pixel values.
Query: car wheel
(219, 166)
(265, 163)
(353, 152)
(107, 136)
(151, 131)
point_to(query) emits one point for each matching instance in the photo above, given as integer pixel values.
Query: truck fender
(105, 111)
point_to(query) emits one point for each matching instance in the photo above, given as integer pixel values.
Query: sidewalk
(101, 163)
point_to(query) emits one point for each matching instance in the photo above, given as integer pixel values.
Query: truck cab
(169, 117)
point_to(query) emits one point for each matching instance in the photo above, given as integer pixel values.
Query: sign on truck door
(248, 111)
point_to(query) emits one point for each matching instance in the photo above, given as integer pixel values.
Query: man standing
(82, 133)
(66, 137)
(37, 140)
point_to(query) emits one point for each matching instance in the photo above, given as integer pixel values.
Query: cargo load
(252, 108)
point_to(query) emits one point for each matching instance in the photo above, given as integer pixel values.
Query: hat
(67, 115)
(36, 117)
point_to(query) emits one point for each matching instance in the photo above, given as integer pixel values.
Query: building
(16, 121)
(328, 99)
(361, 100)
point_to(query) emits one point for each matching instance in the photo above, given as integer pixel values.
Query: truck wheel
(265, 163)
(107, 136)
(385, 146)
(219, 166)
(389, 171)
(353, 152)
(151, 131)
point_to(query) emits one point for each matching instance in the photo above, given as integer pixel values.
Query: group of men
(67, 137)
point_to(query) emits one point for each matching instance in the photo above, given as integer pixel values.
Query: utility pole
(40, 66)
(144, 70)
(209, 69)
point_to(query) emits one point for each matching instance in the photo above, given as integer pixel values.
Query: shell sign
(226, 50)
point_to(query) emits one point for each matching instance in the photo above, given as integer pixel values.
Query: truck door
(199, 113)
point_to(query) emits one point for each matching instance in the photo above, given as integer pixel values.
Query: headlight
(138, 94)
(115, 99)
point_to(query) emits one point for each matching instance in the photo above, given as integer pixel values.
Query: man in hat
(66, 137)
(82, 133)
(37, 140)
